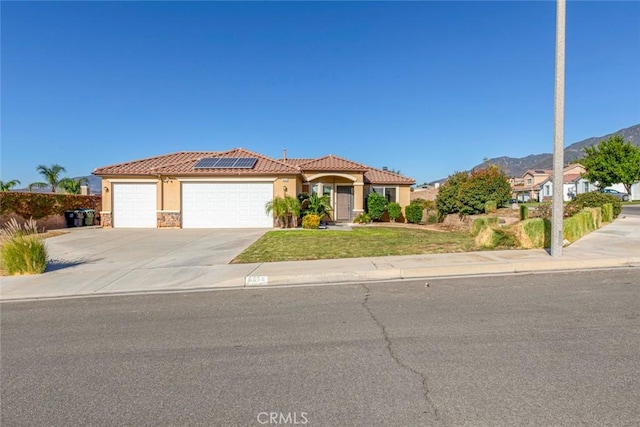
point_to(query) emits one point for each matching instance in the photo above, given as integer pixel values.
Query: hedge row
(43, 205)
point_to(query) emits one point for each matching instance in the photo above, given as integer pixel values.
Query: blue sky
(428, 88)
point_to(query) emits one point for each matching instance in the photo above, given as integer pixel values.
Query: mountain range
(516, 167)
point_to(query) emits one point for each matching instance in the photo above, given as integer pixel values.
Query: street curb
(443, 271)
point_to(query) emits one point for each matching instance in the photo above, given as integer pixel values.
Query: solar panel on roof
(226, 163)
(206, 163)
(245, 162)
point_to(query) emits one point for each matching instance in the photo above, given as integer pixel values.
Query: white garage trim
(135, 205)
(231, 204)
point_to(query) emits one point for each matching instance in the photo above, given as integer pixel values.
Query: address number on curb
(256, 280)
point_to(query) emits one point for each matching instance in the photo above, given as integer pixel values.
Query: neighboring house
(229, 189)
(530, 186)
(572, 185)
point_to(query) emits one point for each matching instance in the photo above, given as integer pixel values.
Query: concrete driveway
(88, 260)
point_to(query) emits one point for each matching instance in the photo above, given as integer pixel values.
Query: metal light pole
(558, 135)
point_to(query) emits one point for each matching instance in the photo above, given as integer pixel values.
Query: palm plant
(51, 175)
(293, 211)
(285, 209)
(6, 186)
(318, 205)
(277, 206)
(33, 185)
(73, 186)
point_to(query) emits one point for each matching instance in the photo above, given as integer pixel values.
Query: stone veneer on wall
(105, 219)
(169, 219)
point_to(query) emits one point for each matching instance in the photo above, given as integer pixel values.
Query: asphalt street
(535, 349)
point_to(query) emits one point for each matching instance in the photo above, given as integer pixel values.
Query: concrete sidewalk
(615, 245)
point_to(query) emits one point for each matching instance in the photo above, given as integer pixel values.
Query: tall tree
(612, 161)
(6, 186)
(51, 175)
(73, 186)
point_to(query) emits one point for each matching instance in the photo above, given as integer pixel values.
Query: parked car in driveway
(615, 193)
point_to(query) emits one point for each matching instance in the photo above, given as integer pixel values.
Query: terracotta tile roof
(295, 162)
(183, 164)
(144, 166)
(377, 176)
(570, 177)
(332, 162)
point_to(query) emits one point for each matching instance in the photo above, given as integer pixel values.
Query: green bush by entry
(23, 255)
(376, 205)
(524, 212)
(395, 210)
(490, 206)
(413, 212)
(311, 221)
(482, 223)
(362, 218)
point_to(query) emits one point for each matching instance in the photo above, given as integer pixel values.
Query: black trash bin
(69, 217)
(89, 215)
(79, 217)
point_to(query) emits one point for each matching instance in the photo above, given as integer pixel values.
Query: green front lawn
(295, 245)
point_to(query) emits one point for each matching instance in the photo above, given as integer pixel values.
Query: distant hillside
(518, 166)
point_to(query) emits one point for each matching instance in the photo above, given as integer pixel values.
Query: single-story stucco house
(229, 189)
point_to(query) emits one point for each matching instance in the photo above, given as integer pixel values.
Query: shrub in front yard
(413, 212)
(490, 206)
(577, 226)
(491, 238)
(482, 223)
(534, 233)
(596, 200)
(607, 212)
(524, 212)
(376, 205)
(23, 255)
(395, 210)
(311, 221)
(596, 217)
(362, 218)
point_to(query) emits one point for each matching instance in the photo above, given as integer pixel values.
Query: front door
(344, 203)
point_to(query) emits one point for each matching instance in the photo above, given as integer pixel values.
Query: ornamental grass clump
(23, 255)
(21, 251)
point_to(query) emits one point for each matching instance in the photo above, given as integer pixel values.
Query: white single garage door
(226, 204)
(134, 205)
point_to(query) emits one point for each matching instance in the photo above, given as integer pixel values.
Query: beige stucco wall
(404, 196)
(292, 183)
(106, 195)
(170, 200)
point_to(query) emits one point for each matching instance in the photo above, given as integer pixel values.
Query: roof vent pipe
(284, 154)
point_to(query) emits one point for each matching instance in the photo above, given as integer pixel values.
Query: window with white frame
(585, 186)
(547, 190)
(389, 193)
(528, 181)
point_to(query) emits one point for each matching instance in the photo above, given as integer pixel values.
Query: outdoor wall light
(106, 189)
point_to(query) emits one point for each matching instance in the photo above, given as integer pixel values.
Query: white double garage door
(204, 205)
